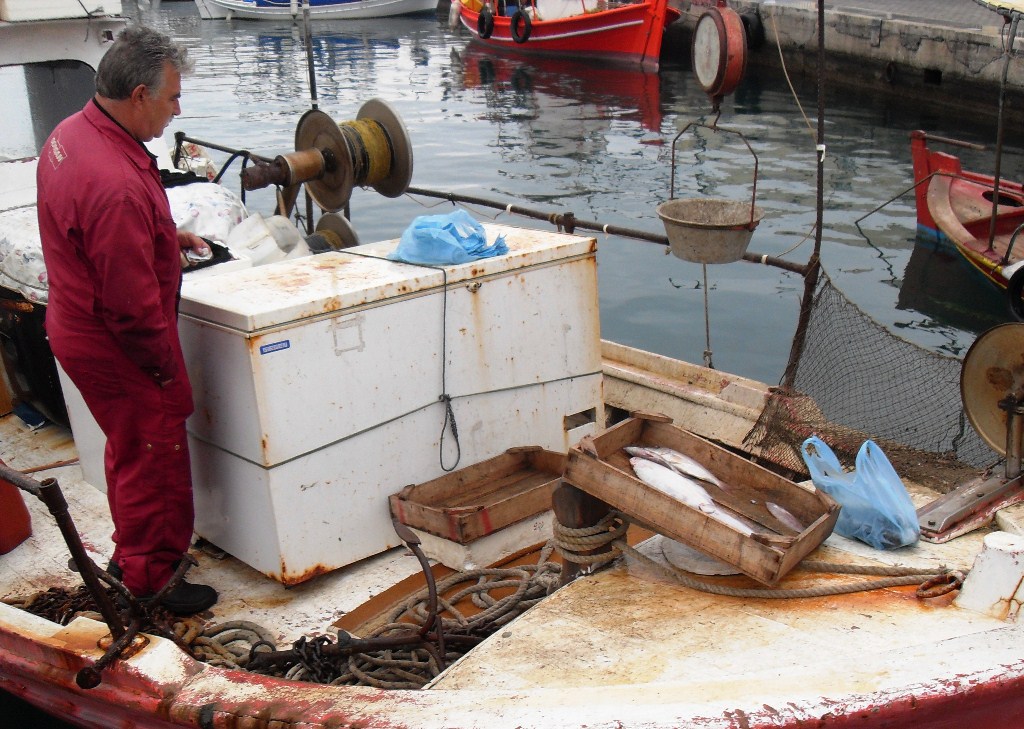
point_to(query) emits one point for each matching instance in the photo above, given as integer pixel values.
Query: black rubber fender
(485, 22)
(754, 28)
(1014, 291)
(520, 25)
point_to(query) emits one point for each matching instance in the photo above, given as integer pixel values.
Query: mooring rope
(575, 545)
(578, 544)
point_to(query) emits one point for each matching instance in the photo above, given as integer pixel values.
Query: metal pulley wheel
(992, 376)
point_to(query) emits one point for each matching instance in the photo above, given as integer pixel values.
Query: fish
(681, 464)
(681, 488)
(672, 483)
(784, 516)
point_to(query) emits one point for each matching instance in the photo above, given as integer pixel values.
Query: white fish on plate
(678, 462)
(683, 489)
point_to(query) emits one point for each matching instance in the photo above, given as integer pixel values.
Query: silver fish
(675, 460)
(686, 490)
(732, 521)
(673, 484)
(785, 516)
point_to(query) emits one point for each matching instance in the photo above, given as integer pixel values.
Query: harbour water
(598, 141)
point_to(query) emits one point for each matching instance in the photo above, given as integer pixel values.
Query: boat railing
(563, 221)
(949, 140)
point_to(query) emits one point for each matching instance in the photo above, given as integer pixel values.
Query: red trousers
(149, 480)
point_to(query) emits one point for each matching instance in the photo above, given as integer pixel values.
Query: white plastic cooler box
(318, 383)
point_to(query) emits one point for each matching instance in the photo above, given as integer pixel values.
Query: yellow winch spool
(374, 151)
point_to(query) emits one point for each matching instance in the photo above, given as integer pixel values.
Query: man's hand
(191, 242)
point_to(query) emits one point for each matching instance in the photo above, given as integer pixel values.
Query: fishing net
(854, 380)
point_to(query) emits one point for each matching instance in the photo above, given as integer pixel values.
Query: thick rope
(916, 578)
(232, 644)
(610, 531)
(573, 543)
(229, 644)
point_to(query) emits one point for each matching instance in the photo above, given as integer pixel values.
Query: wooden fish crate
(599, 466)
(470, 503)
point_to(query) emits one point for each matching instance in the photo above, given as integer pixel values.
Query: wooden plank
(449, 485)
(487, 491)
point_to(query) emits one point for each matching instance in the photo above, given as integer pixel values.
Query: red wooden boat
(628, 32)
(955, 206)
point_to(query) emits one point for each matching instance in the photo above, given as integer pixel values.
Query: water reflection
(612, 93)
(574, 136)
(931, 275)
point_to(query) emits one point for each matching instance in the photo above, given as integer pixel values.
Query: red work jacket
(110, 246)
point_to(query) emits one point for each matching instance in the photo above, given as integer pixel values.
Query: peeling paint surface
(620, 648)
(289, 291)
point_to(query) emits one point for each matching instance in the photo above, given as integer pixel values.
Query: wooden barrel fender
(485, 22)
(521, 26)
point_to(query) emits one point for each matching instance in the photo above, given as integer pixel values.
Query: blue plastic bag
(446, 239)
(875, 506)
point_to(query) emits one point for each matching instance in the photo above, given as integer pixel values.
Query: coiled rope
(579, 544)
(370, 148)
(228, 645)
(233, 644)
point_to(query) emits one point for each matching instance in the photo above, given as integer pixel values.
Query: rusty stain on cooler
(296, 578)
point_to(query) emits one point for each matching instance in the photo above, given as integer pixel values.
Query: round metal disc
(688, 559)
(341, 227)
(400, 176)
(719, 51)
(993, 369)
(708, 50)
(316, 130)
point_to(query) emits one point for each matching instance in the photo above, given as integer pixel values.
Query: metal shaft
(49, 493)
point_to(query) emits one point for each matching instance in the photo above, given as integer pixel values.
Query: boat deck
(699, 652)
(245, 594)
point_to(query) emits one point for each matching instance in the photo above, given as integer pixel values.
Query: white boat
(209, 11)
(625, 644)
(318, 9)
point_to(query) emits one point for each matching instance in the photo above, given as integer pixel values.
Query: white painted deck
(625, 633)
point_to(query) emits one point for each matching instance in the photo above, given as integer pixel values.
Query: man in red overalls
(113, 258)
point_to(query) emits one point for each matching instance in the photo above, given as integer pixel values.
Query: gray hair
(137, 58)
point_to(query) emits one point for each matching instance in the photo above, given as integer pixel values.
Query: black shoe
(187, 599)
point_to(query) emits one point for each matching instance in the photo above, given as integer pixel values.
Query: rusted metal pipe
(564, 220)
(49, 492)
(412, 541)
(1000, 127)
(90, 677)
(953, 142)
